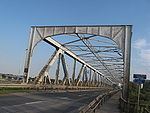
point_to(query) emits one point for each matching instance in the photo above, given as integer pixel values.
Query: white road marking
(82, 95)
(35, 102)
(65, 98)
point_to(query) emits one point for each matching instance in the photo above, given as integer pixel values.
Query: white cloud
(145, 53)
(141, 57)
(145, 57)
(143, 48)
(139, 44)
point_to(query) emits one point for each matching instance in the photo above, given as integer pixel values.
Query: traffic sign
(139, 76)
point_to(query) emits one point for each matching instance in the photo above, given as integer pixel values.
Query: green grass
(13, 90)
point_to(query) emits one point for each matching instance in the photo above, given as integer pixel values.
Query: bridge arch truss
(108, 60)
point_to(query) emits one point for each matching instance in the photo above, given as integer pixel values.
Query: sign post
(138, 97)
(139, 79)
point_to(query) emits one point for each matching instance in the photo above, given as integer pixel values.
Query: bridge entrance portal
(102, 50)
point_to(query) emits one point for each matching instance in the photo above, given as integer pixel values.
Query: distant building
(11, 76)
(14, 78)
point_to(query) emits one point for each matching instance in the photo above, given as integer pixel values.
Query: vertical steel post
(127, 54)
(98, 79)
(28, 56)
(74, 71)
(80, 73)
(101, 80)
(66, 75)
(90, 74)
(57, 70)
(93, 76)
(86, 77)
(83, 77)
(104, 81)
(47, 65)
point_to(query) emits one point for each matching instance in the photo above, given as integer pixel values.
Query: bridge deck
(111, 106)
(47, 102)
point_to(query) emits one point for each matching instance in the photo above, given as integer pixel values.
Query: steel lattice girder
(114, 32)
(120, 34)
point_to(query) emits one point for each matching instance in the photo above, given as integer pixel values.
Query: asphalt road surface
(46, 102)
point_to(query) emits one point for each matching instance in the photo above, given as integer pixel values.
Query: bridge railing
(129, 107)
(96, 103)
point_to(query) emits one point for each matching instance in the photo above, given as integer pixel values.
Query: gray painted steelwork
(108, 61)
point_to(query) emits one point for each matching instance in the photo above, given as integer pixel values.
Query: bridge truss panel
(111, 62)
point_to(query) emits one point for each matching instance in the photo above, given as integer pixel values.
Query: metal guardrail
(129, 107)
(146, 110)
(49, 87)
(96, 103)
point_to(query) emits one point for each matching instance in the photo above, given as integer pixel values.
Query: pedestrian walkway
(111, 105)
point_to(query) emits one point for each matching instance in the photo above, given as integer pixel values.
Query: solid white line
(23, 104)
(65, 98)
(82, 95)
(34, 102)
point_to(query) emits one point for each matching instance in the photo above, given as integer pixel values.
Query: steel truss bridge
(102, 50)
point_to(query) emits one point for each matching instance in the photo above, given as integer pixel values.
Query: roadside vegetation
(144, 95)
(13, 90)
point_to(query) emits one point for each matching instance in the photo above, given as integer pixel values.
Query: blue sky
(16, 17)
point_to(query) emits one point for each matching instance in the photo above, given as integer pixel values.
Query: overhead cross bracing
(104, 49)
